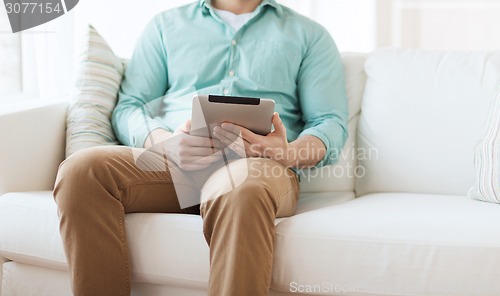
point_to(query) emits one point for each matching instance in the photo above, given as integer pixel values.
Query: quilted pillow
(88, 121)
(487, 159)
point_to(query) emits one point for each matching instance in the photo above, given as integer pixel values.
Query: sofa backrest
(341, 177)
(422, 115)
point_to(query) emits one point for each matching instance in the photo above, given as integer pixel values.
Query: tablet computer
(209, 111)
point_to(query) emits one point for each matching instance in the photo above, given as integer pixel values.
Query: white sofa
(392, 218)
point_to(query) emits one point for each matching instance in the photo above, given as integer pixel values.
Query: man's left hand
(248, 144)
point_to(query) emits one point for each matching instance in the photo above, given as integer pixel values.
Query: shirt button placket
(231, 73)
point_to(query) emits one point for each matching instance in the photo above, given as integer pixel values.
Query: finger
(247, 134)
(240, 146)
(237, 146)
(230, 127)
(228, 138)
(250, 136)
(279, 127)
(219, 132)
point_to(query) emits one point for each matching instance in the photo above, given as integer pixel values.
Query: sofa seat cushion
(165, 248)
(392, 244)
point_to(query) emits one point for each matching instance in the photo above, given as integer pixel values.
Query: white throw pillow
(487, 159)
(88, 122)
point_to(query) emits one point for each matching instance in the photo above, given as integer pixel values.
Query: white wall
(10, 58)
(50, 51)
(351, 22)
(120, 22)
(440, 24)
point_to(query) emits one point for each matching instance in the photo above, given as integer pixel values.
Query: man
(254, 48)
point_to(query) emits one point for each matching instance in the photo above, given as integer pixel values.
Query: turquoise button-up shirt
(278, 54)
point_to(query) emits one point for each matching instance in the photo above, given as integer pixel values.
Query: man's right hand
(188, 152)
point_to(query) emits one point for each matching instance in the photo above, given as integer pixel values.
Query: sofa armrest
(33, 144)
(2, 261)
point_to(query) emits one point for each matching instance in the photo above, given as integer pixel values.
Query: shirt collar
(204, 5)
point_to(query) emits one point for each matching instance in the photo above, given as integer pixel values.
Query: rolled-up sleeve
(145, 80)
(322, 95)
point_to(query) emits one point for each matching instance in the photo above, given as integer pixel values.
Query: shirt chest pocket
(273, 65)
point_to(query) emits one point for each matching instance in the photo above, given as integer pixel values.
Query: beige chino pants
(96, 187)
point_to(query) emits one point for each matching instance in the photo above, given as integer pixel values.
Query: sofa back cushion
(341, 176)
(422, 115)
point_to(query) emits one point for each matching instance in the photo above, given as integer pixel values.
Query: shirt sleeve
(145, 81)
(322, 95)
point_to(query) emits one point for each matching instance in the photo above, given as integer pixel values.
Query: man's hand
(192, 152)
(188, 152)
(306, 151)
(248, 144)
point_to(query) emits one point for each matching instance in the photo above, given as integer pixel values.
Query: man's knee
(251, 188)
(252, 194)
(80, 163)
(80, 171)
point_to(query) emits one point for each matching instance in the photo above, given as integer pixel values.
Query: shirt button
(231, 73)
(233, 42)
(225, 91)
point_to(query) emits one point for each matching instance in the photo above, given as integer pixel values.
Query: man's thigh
(281, 182)
(140, 179)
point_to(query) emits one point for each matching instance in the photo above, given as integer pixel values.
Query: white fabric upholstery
(32, 233)
(385, 240)
(393, 244)
(165, 248)
(486, 158)
(176, 251)
(424, 113)
(2, 261)
(32, 146)
(21, 279)
(391, 240)
(27, 280)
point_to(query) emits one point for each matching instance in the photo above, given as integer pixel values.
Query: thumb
(185, 127)
(279, 128)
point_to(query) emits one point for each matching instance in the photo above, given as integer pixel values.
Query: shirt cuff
(140, 126)
(328, 158)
